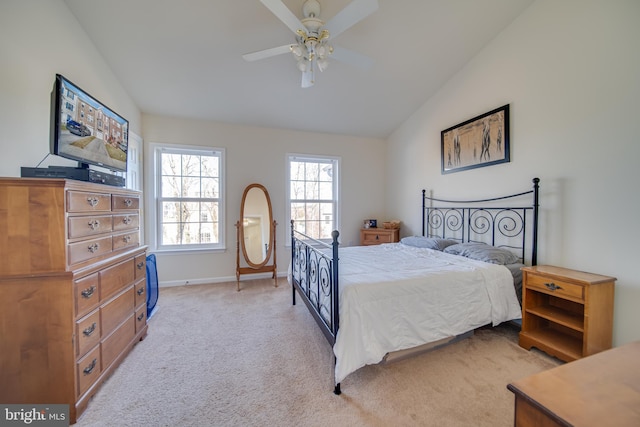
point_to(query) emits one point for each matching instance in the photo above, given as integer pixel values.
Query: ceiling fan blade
(308, 79)
(356, 11)
(284, 14)
(267, 53)
(352, 58)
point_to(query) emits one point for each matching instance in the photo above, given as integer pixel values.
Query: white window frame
(155, 206)
(335, 161)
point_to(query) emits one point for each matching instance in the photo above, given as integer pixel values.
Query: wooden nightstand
(376, 236)
(566, 313)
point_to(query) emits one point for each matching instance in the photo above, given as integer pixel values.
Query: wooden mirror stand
(256, 234)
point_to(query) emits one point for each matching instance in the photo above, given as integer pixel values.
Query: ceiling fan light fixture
(323, 50)
(311, 48)
(304, 65)
(323, 64)
(297, 51)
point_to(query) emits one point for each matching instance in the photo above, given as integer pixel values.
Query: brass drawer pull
(128, 202)
(93, 201)
(126, 239)
(87, 293)
(126, 220)
(93, 248)
(95, 224)
(140, 291)
(141, 317)
(552, 286)
(90, 330)
(140, 265)
(91, 367)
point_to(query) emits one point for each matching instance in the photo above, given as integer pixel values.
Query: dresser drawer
(87, 332)
(81, 226)
(141, 318)
(128, 221)
(114, 278)
(113, 345)
(557, 287)
(80, 201)
(86, 294)
(114, 311)
(141, 266)
(88, 370)
(122, 202)
(87, 249)
(125, 240)
(140, 289)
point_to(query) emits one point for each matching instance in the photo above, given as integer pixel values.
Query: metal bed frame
(315, 267)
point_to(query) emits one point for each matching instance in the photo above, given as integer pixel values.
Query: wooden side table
(377, 236)
(566, 313)
(599, 390)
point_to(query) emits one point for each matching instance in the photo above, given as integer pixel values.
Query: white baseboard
(212, 280)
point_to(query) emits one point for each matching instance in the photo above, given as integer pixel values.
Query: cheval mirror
(256, 234)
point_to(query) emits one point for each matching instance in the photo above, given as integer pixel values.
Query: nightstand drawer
(556, 287)
(369, 238)
(377, 236)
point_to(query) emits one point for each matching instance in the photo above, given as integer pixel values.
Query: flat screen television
(85, 130)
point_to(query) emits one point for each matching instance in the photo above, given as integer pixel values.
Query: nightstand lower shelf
(553, 342)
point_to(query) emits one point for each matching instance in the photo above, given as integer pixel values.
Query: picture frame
(370, 223)
(478, 142)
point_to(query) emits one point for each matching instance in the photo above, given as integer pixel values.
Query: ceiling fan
(312, 48)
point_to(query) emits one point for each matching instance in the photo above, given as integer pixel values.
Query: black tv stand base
(79, 174)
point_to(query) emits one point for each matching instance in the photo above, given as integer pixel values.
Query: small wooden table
(598, 390)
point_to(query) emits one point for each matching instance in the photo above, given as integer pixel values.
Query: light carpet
(217, 357)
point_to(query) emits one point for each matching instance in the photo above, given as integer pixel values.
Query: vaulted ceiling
(184, 59)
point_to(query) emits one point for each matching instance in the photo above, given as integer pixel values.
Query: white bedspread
(394, 297)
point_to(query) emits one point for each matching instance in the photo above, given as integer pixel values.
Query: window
(313, 195)
(189, 197)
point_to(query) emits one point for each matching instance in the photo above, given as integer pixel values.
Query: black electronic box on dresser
(72, 288)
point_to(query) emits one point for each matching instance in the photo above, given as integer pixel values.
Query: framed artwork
(478, 142)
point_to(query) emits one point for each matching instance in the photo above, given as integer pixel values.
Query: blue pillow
(427, 242)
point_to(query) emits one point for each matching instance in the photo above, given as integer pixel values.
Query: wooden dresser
(377, 236)
(599, 390)
(72, 288)
(566, 313)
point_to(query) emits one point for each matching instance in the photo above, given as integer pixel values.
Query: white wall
(258, 155)
(39, 38)
(570, 72)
